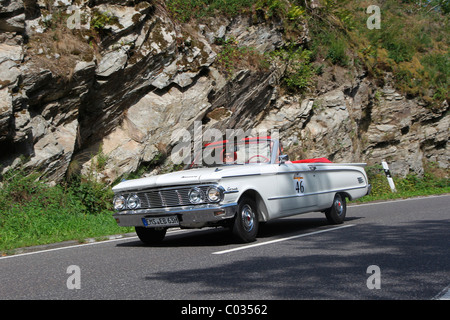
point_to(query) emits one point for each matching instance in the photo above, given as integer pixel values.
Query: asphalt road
(300, 257)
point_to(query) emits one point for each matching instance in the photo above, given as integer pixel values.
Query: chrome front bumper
(190, 217)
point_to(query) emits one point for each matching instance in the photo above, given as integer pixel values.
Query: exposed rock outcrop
(124, 76)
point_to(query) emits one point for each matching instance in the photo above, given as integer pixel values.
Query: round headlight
(214, 194)
(119, 203)
(133, 202)
(195, 195)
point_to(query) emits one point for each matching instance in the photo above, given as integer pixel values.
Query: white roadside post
(388, 175)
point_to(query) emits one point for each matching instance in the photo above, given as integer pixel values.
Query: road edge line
(280, 240)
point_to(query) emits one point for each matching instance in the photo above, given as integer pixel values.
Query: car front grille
(166, 197)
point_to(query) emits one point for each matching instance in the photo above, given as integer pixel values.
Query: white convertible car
(238, 187)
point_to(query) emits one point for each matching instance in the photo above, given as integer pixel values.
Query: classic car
(238, 187)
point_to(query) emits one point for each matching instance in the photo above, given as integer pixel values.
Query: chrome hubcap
(247, 216)
(339, 206)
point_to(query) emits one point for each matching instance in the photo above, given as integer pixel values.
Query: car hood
(186, 177)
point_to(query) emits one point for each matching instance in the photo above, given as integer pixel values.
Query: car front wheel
(245, 226)
(151, 236)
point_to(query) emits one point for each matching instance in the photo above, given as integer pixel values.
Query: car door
(297, 188)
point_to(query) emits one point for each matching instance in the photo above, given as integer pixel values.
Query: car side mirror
(283, 158)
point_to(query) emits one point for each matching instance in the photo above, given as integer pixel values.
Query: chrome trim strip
(232, 191)
(181, 186)
(175, 210)
(193, 217)
(318, 170)
(242, 175)
(315, 193)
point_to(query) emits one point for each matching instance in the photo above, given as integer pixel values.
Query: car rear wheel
(336, 213)
(151, 235)
(245, 226)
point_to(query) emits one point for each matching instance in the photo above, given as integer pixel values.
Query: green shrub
(90, 196)
(186, 10)
(396, 43)
(336, 52)
(437, 66)
(399, 50)
(99, 20)
(274, 8)
(299, 71)
(434, 181)
(33, 212)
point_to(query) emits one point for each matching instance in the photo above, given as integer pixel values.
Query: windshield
(243, 152)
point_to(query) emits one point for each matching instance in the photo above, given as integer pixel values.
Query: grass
(186, 10)
(34, 213)
(410, 44)
(434, 181)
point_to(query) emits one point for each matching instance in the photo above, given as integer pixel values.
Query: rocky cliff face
(100, 86)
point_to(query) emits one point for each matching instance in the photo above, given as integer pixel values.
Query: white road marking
(356, 205)
(444, 294)
(79, 245)
(63, 248)
(282, 239)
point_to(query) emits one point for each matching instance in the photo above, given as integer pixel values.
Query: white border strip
(63, 248)
(376, 202)
(282, 239)
(79, 245)
(444, 294)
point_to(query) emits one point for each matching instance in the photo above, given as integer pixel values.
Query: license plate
(168, 221)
